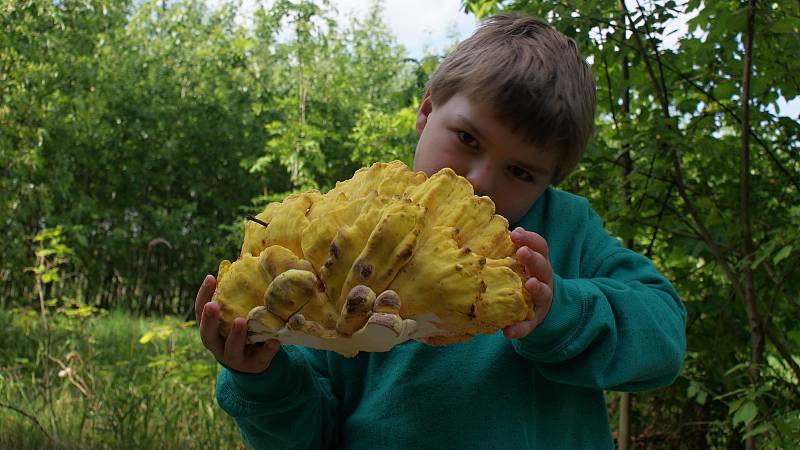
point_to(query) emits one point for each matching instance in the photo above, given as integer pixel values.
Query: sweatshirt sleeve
(618, 325)
(288, 406)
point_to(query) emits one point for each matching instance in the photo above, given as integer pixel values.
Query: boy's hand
(532, 254)
(233, 351)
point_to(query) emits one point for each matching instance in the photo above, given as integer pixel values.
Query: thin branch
(29, 416)
(79, 384)
(650, 176)
(731, 113)
(610, 99)
(678, 176)
(778, 281)
(748, 247)
(657, 84)
(656, 53)
(783, 351)
(660, 218)
(258, 221)
(776, 340)
(772, 156)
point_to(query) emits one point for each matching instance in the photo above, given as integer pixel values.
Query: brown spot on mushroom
(357, 297)
(406, 253)
(356, 310)
(296, 321)
(354, 305)
(365, 270)
(483, 288)
(334, 251)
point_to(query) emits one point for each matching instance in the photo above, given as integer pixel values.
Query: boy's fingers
(542, 297)
(262, 354)
(234, 345)
(519, 330)
(209, 329)
(535, 242)
(540, 291)
(204, 296)
(536, 264)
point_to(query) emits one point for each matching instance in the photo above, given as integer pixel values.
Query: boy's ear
(425, 109)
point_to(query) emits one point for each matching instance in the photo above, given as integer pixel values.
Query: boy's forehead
(481, 112)
(474, 108)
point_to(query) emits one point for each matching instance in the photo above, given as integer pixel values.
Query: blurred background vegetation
(136, 135)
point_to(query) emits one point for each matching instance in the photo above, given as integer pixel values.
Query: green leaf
(697, 391)
(746, 413)
(49, 276)
(760, 429)
(782, 254)
(736, 368)
(45, 252)
(693, 388)
(701, 397)
(691, 5)
(763, 254)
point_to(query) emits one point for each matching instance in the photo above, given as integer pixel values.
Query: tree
(148, 131)
(327, 81)
(707, 147)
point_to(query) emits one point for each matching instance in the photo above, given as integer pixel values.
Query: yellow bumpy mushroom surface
(386, 256)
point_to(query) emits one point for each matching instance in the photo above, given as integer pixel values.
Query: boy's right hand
(233, 352)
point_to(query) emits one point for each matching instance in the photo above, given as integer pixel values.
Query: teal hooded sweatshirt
(615, 324)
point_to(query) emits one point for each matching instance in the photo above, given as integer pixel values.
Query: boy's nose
(481, 179)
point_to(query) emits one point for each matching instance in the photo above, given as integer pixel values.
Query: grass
(106, 388)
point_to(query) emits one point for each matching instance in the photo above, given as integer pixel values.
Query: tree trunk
(625, 400)
(748, 247)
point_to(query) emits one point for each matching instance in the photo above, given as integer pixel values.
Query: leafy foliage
(143, 129)
(666, 169)
(109, 390)
(135, 136)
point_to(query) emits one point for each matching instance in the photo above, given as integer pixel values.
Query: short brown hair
(535, 78)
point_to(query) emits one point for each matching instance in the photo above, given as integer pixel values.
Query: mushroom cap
(386, 256)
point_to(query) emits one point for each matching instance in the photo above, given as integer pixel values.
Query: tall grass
(106, 388)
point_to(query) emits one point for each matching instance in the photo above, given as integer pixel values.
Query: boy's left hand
(532, 254)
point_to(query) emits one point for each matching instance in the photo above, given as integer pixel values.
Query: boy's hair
(534, 77)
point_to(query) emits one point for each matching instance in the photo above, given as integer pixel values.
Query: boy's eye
(466, 138)
(520, 173)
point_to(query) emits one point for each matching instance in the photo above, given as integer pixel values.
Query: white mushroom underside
(381, 333)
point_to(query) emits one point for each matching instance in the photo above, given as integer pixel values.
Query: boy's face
(467, 138)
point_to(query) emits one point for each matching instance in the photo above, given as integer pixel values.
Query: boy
(510, 109)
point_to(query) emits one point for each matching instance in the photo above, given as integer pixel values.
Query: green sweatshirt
(615, 324)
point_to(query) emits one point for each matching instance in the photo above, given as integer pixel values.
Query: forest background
(136, 135)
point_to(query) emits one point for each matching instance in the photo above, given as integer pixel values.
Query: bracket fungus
(386, 256)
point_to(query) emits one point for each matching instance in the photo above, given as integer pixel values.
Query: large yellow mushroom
(386, 256)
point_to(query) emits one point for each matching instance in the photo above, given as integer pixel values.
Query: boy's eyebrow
(534, 169)
(477, 132)
(474, 129)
